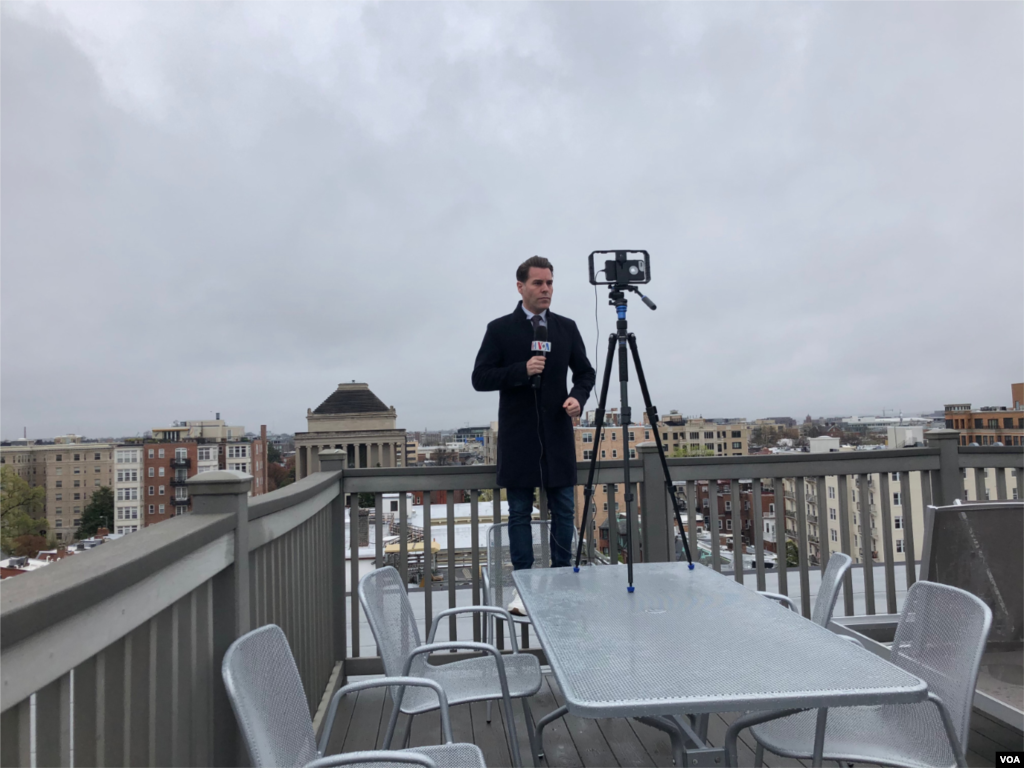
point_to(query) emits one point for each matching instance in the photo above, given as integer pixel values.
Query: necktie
(536, 323)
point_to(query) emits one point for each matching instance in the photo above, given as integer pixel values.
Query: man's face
(537, 289)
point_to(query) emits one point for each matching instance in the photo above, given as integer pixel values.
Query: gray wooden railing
(112, 657)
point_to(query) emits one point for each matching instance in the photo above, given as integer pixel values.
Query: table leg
(745, 721)
(819, 738)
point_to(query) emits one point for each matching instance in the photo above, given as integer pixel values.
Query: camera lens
(633, 270)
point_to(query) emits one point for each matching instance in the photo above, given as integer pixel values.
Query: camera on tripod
(622, 270)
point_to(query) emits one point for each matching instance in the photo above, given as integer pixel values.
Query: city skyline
(235, 208)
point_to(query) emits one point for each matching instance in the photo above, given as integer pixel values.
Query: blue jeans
(520, 533)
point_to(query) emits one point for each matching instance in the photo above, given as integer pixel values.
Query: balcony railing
(179, 481)
(183, 463)
(138, 651)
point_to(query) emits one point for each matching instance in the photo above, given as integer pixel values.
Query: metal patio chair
(267, 697)
(497, 574)
(482, 678)
(940, 638)
(828, 592)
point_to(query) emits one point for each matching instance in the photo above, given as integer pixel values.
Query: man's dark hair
(534, 261)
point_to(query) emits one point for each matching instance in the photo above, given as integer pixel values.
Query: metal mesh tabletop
(693, 641)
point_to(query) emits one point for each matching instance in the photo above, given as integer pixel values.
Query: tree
(273, 454)
(280, 475)
(792, 554)
(19, 526)
(16, 495)
(443, 457)
(685, 451)
(764, 436)
(98, 513)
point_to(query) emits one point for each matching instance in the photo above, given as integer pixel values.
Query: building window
(152, 509)
(162, 487)
(60, 457)
(96, 482)
(152, 471)
(709, 435)
(771, 509)
(895, 477)
(737, 446)
(180, 453)
(587, 455)
(897, 521)
(832, 513)
(160, 453)
(96, 457)
(833, 535)
(899, 545)
(606, 506)
(181, 493)
(161, 472)
(631, 438)
(151, 453)
(897, 499)
(647, 434)
(709, 446)
(632, 453)
(152, 490)
(615, 454)
(76, 522)
(59, 483)
(204, 453)
(242, 451)
(78, 457)
(78, 496)
(602, 454)
(831, 492)
(613, 435)
(162, 507)
(59, 496)
(588, 437)
(58, 523)
(728, 523)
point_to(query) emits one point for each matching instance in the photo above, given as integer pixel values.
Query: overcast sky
(234, 207)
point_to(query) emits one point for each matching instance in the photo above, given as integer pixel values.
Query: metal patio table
(694, 641)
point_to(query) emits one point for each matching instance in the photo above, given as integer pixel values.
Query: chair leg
(408, 732)
(488, 710)
(531, 732)
(543, 723)
(759, 755)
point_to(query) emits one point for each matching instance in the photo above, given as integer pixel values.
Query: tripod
(617, 298)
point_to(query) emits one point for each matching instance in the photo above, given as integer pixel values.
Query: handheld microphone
(540, 346)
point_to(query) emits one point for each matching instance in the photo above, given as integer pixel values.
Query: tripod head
(617, 295)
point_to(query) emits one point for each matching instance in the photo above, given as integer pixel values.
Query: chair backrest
(828, 593)
(940, 638)
(389, 613)
(499, 558)
(266, 693)
(977, 547)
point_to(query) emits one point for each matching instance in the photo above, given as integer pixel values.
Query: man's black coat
(501, 364)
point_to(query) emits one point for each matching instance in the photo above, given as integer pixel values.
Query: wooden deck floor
(578, 743)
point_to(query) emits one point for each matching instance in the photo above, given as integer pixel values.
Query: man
(536, 446)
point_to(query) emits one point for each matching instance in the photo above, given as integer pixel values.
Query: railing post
(334, 461)
(218, 492)
(658, 520)
(950, 485)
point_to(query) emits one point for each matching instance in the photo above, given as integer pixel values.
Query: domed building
(354, 420)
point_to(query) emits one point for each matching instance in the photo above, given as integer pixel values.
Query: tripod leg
(652, 417)
(625, 419)
(589, 488)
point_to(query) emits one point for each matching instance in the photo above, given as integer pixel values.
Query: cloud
(234, 207)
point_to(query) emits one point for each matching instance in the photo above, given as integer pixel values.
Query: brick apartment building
(990, 425)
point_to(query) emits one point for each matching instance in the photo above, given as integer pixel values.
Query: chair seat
(473, 679)
(910, 735)
(452, 755)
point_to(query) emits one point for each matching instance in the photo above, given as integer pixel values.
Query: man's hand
(572, 407)
(535, 365)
